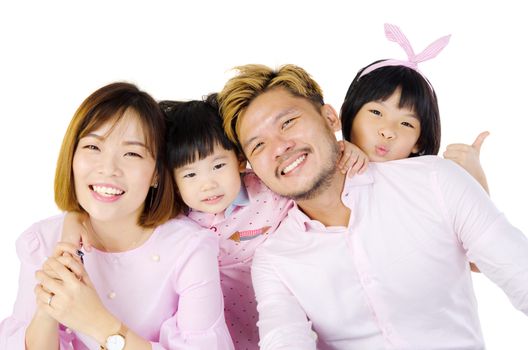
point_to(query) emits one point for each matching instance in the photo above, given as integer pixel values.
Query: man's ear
(242, 163)
(331, 117)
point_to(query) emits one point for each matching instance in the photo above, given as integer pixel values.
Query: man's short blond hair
(254, 79)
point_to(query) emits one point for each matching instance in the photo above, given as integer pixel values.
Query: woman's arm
(75, 302)
(199, 322)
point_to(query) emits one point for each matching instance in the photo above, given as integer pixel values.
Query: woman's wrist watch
(116, 341)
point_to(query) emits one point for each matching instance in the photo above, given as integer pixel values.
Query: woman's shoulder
(38, 240)
(182, 229)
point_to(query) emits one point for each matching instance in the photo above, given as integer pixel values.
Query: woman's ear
(155, 181)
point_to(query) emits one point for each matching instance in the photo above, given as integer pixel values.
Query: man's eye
(287, 122)
(257, 147)
(218, 166)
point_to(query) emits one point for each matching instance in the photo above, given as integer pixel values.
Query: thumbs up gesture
(468, 157)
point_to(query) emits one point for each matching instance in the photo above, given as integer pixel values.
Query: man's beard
(324, 178)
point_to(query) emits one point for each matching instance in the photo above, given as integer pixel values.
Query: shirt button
(365, 279)
(155, 258)
(111, 295)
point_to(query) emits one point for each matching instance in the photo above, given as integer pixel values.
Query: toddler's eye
(407, 124)
(218, 166)
(375, 112)
(189, 175)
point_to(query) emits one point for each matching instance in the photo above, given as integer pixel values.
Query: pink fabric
(393, 33)
(167, 290)
(240, 234)
(398, 276)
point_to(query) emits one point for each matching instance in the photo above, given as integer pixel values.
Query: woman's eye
(218, 166)
(91, 147)
(133, 154)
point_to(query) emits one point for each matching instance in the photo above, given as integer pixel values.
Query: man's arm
(282, 321)
(498, 248)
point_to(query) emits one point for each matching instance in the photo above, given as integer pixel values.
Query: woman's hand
(353, 158)
(66, 293)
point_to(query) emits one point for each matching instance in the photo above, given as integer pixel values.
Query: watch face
(115, 342)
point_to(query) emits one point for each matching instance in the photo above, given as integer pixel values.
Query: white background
(54, 54)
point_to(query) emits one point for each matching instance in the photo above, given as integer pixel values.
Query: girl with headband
(391, 111)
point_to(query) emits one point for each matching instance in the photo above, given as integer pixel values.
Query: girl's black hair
(416, 94)
(194, 128)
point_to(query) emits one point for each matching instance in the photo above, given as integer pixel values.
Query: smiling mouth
(106, 191)
(212, 199)
(294, 164)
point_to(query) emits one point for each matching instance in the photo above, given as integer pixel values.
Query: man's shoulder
(410, 168)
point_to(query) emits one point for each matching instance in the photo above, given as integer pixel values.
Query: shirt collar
(242, 199)
(305, 223)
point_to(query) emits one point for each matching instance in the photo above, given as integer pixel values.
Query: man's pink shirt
(398, 276)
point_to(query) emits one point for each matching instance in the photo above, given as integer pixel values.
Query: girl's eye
(218, 166)
(407, 124)
(189, 175)
(375, 112)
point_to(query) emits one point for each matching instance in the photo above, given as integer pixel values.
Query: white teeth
(107, 191)
(294, 164)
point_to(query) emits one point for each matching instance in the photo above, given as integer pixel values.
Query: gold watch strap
(123, 330)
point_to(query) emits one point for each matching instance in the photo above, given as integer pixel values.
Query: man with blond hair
(377, 261)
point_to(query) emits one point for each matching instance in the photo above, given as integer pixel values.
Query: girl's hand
(75, 231)
(468, 157)
(353, 158)
(68, 295)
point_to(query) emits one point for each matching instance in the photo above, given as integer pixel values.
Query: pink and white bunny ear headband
(393, 33)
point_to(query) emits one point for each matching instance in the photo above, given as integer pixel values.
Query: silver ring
(49, 299)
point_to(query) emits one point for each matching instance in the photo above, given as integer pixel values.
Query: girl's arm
(75, 232)
(468, 157)
(353, 158)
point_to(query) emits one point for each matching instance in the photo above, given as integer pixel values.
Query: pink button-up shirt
(398, 276)
(246, 224)
(167, 290)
